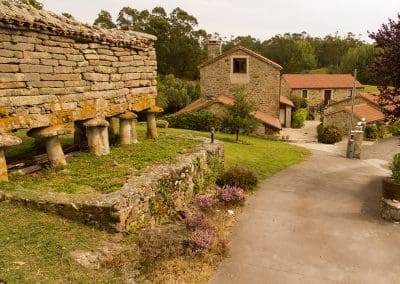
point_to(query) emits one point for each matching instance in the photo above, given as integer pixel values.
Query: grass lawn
(370, 88)
(86, 173)
(266, 157)
(35, 246)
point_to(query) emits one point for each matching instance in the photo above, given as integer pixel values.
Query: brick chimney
(213, 48)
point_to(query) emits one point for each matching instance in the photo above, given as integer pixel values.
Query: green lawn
(266, 157)
(35, 246)
(86, 173)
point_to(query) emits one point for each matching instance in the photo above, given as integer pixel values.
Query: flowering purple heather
(196, 220)
(200, 240)
(230, 194)
(205, 202)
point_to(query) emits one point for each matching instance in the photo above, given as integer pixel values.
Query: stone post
(126, 128)
(358, 139)
(134, 132)
(97, 133)
(151, 122)
(80, 139)
(50, 134)
(6, 141)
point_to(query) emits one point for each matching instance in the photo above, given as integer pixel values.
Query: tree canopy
(387, 67)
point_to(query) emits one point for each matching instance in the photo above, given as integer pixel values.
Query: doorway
(327, 96)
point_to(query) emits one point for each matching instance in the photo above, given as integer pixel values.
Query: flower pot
(390, 189)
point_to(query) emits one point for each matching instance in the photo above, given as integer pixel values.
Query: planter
(390, 189)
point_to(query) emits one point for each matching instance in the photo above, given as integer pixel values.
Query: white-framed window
(239, 65)
(304, 94)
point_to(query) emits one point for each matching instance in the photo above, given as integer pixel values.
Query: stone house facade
(319, 89)
(224, 73)
(55, 71)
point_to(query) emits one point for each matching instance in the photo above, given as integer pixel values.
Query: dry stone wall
(47, 79)
(141, 199)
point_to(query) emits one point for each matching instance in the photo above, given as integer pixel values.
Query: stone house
(319, 89)
(365, 107)
(223, 73)
(56, 72)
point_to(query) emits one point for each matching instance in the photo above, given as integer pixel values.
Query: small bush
(200, 120)
(395, 128)
(299, 117)
(204, 202)
(383, 131)
(371, 131)
(230, 194)
(196, 221)
(156, 244)
(161, 123)
(395, 167)
(199, 241)
(240, 177)
(329, 134)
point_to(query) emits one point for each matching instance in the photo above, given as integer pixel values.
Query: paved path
(316, 222)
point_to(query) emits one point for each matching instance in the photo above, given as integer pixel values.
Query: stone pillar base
(126, 128)
(390, 210)
(6, 141)
(50, 134)
(97, 133)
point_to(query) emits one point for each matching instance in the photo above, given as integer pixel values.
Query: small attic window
(239, 65)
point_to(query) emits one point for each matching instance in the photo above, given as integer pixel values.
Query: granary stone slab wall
(133, 204)
(55, 70)
(261, 82)
(47, 80)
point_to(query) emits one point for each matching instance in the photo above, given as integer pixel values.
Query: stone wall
(161, 192)
(261, 82)
(347, 102)
(47, 79)
(340, 118)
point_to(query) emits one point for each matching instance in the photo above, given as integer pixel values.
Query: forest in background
(181, 47)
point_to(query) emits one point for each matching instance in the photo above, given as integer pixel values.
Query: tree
(68, 15)
(360, 58)
(238, 116)
(32, 3)
(387, 67)
(104, 20)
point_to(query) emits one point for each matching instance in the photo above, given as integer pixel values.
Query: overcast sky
(259, 18)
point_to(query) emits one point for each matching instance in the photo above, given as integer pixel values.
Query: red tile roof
(372, 97)
(225, 100)
(368, 112)
(195, 105)
(285, 101)
(268, 119)
(320, 81)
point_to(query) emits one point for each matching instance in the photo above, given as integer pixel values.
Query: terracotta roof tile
(268, 119)
(195, 105)
(320, 81)
(374, 98)
(370, 113)
(20, 16)
(284, 100)
(225, 100)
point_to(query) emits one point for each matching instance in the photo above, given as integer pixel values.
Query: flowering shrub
(230, 194)
(329, 134)
(199, 241)
(196, 220)
(238, 176)
(204, 202)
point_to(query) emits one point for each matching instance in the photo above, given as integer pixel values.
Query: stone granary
(56, 72)
(239, 67)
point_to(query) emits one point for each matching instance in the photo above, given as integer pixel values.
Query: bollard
(350, 147)
(212, 134)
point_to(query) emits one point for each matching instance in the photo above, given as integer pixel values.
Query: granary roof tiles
(320, 81)
(246, 50)
(21, 16)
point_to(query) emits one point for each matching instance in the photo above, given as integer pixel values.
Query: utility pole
(351, 142)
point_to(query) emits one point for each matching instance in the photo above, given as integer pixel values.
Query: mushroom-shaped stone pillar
(126, 128)
(50, 134)
(6, 141)
(151, 121)
(97, 133)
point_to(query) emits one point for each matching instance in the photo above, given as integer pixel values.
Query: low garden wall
(159, 193)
